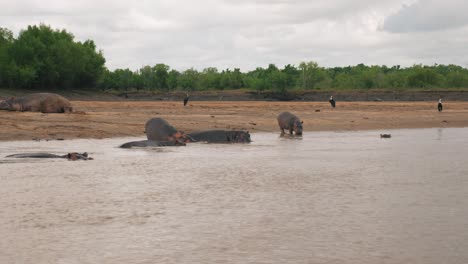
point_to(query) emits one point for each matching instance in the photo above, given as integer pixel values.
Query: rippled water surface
(330, 197)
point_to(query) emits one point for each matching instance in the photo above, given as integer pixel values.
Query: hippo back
(289, 121)
(151, 143)
(285, 119)
(48, 103)
(38, 102)
(159, 129)
(221, 136)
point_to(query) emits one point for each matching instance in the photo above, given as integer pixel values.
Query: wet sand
(98, 119)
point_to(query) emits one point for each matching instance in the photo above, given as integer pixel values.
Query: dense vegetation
(45, 58)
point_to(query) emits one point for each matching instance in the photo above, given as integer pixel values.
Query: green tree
(291, 75)
(148, 77)
(172, 78)
(188, 80)
(54, 59)
(7, 69)
(161, 72)
(423, 77)
(210, 79)
(313, 76)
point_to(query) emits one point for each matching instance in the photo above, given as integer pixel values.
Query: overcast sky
(247, 34)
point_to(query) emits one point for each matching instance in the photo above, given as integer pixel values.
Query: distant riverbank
(312, 96)
(247, 95)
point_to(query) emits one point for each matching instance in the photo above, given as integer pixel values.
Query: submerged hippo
(70, 156)
(290, 122)
(38, 102)
(158, 129)
(221, 136)
(151, 143)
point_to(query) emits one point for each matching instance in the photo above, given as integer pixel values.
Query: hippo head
(240, 137)
(245, 137)
(180, 138)
(297, 127)
(6, 104)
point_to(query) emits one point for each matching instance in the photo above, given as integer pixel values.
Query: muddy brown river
(330, 197)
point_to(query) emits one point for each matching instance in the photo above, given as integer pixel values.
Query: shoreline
(143, 137)
(104, 119)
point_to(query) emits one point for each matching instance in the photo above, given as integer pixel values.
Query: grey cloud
(237, 33)
(428, 15)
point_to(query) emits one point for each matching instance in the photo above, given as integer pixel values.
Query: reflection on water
(331, 197)
(439, 133)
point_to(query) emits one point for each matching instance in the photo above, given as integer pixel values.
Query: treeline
(307, 76)
(42, 58)
(45, 58)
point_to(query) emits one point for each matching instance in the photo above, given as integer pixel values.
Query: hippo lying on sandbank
(290, 122)
(38, 102)
(70, 156)
(221, 136)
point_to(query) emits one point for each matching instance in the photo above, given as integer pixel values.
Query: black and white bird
(439, 105)
(332, 101)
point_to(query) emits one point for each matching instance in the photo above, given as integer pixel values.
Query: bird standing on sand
(186, 99)
(332, 101)
(439, 105)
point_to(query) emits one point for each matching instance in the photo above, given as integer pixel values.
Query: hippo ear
(302, 122)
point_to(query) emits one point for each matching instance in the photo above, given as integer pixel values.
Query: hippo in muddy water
(208, 136)
(290, 122)
(151, 143)
(38, 102)
(161, 134)
(158, 129)
(221, 136)
(70, 156)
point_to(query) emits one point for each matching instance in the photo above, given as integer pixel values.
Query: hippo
(151, 143)
(221, 136)
(290, 122)
(38, 102)
(160, 134)
(70, 156)
(158, 129)
(385, 135)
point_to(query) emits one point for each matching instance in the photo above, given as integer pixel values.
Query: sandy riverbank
(98, 119)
